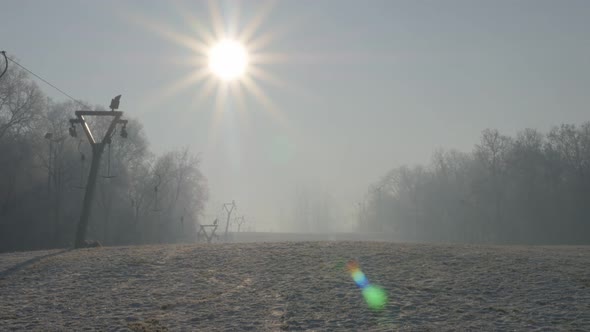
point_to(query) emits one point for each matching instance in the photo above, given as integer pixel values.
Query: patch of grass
(150, 325)
(166, 306)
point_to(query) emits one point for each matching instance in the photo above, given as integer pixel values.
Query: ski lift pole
(229, 210)
(82, 167)
(108, 175)
(97, 150)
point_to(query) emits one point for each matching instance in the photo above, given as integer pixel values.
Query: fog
(432, 121)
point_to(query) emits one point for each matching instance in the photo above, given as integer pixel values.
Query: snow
(300, 286)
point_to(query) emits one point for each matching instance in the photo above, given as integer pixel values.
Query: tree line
(140, 197)
(533, 188)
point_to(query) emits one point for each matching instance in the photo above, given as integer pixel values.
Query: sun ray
(221, 98)
(239, 94)
(262, 41)
(262, 58)
(197, 61)
(185, 83)
(255, 44)
(233, 24)
(168, 33)
(206, 91)
(237, 91)
(216, 18)
(254, 88)
(176, 88)
(218, 110)
(203, 33)
(267, 77)
(248, 32)
(317, 58)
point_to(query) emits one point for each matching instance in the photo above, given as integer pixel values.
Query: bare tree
(492, 152)
(21, 102)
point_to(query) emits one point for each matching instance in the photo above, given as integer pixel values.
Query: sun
(228, 60)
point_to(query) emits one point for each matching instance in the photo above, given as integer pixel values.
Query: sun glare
(228, 60)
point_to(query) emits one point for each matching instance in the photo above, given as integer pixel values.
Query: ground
(296, 286)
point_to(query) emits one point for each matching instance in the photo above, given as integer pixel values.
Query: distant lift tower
(229, 208)
(97, 150)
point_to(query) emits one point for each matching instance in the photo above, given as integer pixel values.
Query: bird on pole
(115, 103)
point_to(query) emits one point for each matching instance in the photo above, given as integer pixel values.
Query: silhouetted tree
(41, 172)
(528, 189)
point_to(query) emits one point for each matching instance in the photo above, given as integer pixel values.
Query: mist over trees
(533, 188)
(43, 173)
(313, 211)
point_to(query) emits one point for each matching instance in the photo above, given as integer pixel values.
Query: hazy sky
(363, 86)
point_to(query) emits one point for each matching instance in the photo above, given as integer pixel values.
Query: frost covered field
(299, 286)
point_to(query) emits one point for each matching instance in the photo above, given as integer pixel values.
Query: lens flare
(375, 296)
(360, 279)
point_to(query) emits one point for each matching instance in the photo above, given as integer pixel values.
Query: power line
(46, 82)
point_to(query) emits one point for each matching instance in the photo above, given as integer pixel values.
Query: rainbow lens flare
(375, 297)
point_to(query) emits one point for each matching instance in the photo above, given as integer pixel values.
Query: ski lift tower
(229, 208)
(97, 150)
